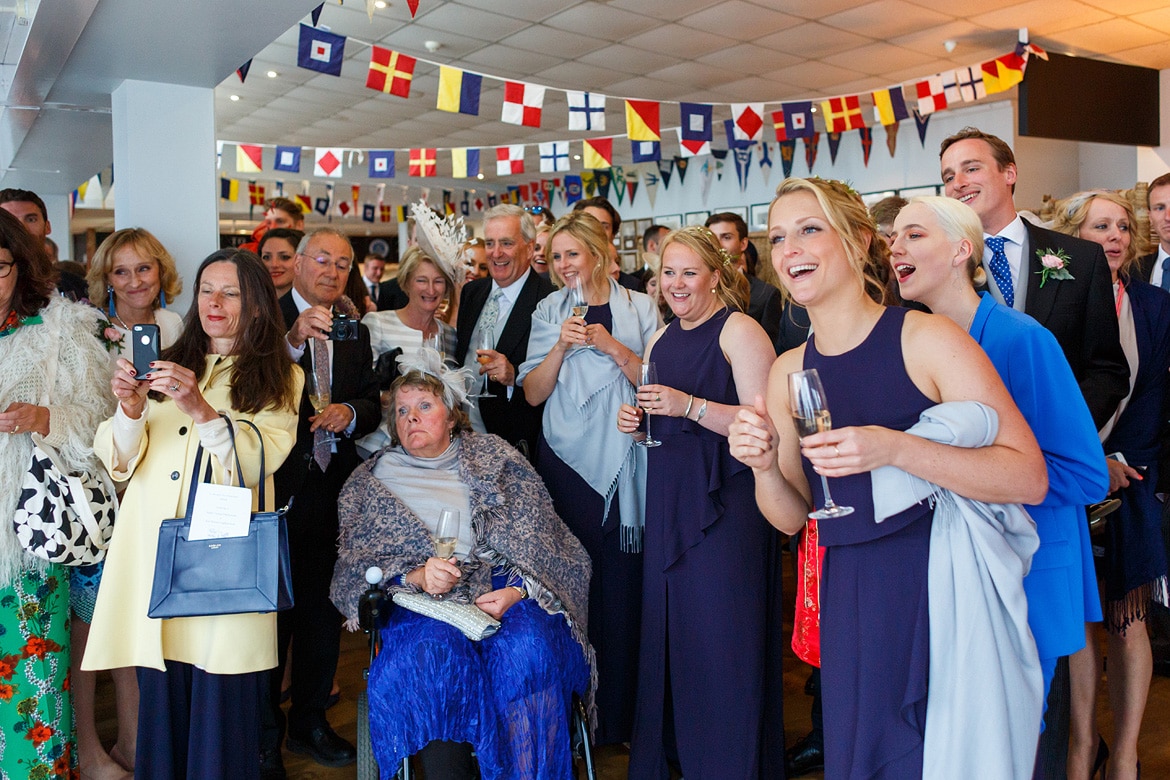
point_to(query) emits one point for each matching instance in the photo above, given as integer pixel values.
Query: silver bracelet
(690, 401)
(702, 410)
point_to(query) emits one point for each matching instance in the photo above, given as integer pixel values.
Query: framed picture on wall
(740, 211)
(759, 217)
(696, 217)
(672, 221)
(641, 225)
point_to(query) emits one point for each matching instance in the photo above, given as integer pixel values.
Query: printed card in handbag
(222, 576)
(473, 622)
(64, 517)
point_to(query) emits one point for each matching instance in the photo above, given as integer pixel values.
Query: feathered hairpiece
(456, 382)
(441, 238)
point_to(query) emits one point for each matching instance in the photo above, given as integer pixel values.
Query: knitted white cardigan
(79, 399)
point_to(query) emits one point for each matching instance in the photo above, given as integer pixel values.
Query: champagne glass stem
(829, 503)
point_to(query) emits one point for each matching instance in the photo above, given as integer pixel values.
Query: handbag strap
(261, 480)
(207, 472)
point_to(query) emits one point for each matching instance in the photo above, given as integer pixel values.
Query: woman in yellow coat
(202, 679)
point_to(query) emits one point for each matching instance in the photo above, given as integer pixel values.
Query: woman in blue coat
(935, 262)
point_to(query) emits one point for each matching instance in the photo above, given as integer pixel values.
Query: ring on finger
(837, 450)
(174, 388)
(657, 396)
(16, 429)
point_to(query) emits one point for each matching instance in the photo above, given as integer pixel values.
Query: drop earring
(110, 300)
(162, 299)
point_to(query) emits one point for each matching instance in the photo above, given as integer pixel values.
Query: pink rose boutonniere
(1054, 265)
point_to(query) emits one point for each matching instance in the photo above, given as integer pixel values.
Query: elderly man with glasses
(336, 353)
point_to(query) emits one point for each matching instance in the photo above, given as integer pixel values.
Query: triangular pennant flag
(749, 120)
(554, 156)
(709, 171)
(733, 140)
(693, 148)
(632, 189)
(248, 158)
(642, 120)
(381, 164)
(810, 150)
(459, 90)
(892, 137)
(787, 153)
(589, 180)
(921, 121)
(390, 72)
(413, 6)
(573, 189)
(743, 166)
(646, 151)
(650, 182)
(328, 163)
(680, 165)
(598, 153)
(619, 183)
(586, 110)
(242, 71)
(695, 122)
(765, 162)
(316, 14)
(665, 169)
(866, 135)
(720, 155)
(288, 158)
(320, 50)
(834, 145)
(522, 104)
(603, 179)
(464, 163)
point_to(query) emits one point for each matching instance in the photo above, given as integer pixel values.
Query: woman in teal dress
(36, 712)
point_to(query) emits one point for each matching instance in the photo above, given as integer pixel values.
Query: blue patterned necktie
(1000, 270)
(322, 441)
(1165, 283)
(491, 313)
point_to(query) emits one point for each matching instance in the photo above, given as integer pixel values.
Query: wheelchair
(372, 610)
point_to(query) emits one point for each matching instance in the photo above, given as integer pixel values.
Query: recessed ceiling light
(272, 74)
(380, 3)
(234, 98)
(479, 176)
(576, 157)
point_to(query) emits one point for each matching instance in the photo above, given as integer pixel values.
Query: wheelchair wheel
(367, 767)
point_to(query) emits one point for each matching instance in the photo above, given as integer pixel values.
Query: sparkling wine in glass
(319, 396)
(435, 342)
(649, 377)
(810, 413)
(579, 303)
(485, 341)
(446, 532)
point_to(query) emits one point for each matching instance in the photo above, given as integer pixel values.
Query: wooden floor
(1154, 745)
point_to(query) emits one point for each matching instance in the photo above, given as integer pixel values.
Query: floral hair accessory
(706, 232)
(441, 238)
(1053, 265)
(427, 361)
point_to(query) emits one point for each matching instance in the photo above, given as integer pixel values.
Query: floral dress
(36, 712)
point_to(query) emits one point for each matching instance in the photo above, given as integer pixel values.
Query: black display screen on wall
(1081, 99)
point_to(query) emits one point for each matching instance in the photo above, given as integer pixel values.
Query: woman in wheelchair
(433, 692)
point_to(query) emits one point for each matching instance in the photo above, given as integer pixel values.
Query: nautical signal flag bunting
(642, 120)
(459, 91)
(390, 71)
(320, 50)
(843, 113)
(422, 162)
(522, 104)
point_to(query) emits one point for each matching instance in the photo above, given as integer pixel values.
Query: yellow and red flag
(390, 71)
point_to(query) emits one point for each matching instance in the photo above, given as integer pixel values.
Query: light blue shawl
(580, 417)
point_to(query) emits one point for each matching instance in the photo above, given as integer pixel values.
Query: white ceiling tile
(740, 20)
(1159, 19)
(506, 61)
(473, 22)
(643, 88)
(807, 10)
(886, 18)
(667, 10)
(966, 36)
(586, 77)
(1110, 36)
(815, 75)
(1155, 56)
(755, 88)
(597, 21)
(749, 56)
(532, 10)
(1128, 7)
(674, 38)
(695, 75)
(1044, 17)
(627, 59)
(547, 40)
(812, 39)
(878, 58)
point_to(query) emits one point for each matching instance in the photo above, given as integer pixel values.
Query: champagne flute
(320, 397)
(579, 303)
(446, 533)
(649, 377)
(485, 341)
(435, 342)
(810, 412)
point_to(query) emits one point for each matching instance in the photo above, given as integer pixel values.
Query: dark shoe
(332, 700)
(324, 746)
(271, 765)
(804, 757)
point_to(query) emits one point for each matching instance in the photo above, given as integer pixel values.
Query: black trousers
(193, 725)
(312, 628)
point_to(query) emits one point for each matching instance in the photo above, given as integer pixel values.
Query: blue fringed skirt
(509, 696)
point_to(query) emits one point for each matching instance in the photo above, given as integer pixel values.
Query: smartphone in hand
(145, 341)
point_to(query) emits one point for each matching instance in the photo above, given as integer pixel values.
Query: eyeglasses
(5, 269)
(322, 261)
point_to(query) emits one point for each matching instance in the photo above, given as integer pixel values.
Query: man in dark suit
(512, 290)
(765, 305)
(1155, 267)
(309, 483)
(980, 170)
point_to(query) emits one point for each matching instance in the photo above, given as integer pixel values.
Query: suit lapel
(520, 318)
(1040, 299)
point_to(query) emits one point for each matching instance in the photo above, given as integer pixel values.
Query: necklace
(121, 322)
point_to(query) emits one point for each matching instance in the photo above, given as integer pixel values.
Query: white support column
(164, 170)
(57, 207)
